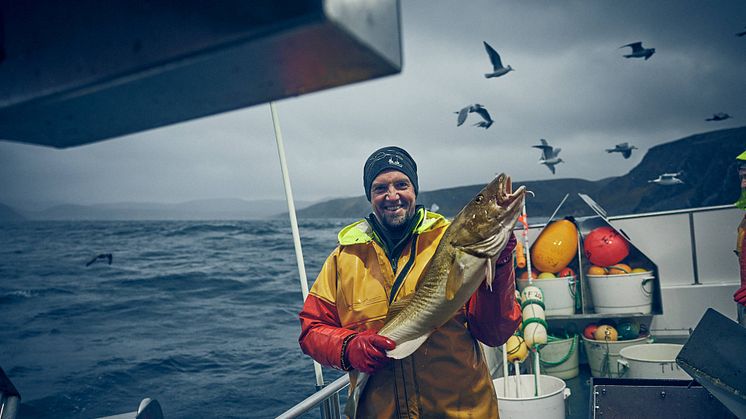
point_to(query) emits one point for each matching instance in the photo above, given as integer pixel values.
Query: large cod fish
(465, 257)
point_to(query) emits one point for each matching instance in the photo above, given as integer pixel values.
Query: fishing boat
(180, 62)
(697, 272)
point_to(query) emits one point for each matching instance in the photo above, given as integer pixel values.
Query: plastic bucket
(603, 355)
(631, 293)
(559, 294)
(550, 404)
(656, 360)
(561, 358)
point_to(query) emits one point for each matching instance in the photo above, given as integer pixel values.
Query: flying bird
(102, 256)
(481, 110)
(623, 148)
(549, 155)
(741, 33)
(638, 51)
(720, 116)
(497, 64)
(668, 179)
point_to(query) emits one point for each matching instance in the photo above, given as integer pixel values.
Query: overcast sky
(571, 85)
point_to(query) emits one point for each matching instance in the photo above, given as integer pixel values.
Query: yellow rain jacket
(447, 376)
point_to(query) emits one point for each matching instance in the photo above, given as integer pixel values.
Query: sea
(200, 315)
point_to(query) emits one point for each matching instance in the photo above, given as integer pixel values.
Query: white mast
(293, 224)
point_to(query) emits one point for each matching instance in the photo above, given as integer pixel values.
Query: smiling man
(378, 262)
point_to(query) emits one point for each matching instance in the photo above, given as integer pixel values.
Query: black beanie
(389, 158)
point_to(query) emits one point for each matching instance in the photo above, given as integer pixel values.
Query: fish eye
(479, 198)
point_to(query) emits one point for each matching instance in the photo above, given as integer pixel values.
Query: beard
(396, 220)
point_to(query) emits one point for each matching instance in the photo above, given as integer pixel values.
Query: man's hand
(366, 352)
(740, 296)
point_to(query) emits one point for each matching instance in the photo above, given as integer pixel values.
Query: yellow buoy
(516, 349)
(555, 247)
(606, 332)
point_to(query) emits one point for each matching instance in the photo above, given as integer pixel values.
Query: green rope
(533, 301)
(526, 322)
(545, 363)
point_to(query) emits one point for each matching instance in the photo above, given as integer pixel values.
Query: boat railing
(329, 394)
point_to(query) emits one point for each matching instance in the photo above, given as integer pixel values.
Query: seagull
(720, 116)
(102, 256)
(497, 64)
(741, 33)
(623, 148)
(548, 155)
(668, 179)
(481, 110)
(638, 51)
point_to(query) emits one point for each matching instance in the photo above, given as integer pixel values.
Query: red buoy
(604, 246)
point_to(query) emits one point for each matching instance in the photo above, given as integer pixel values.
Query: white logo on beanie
(394, 162)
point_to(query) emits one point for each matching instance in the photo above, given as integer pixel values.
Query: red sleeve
(494, 315)
(742, 261)
(321, 335)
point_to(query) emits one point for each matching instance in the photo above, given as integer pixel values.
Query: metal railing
(330, 391)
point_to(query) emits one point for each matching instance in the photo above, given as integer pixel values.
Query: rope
(533, 301)
(545, 363)
(526, 322)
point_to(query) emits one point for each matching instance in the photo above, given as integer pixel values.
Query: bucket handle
(642, 286)
(567, 393)
(624, 367)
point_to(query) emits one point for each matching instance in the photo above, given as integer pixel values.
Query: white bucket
(631, 293)
(657, 360)
(559, 297)
(603, 355)
(561, 358)
(550, 404)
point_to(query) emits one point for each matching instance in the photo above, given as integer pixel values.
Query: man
(378, 262)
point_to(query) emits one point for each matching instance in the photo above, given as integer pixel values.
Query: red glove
(366, 352)
(740, 296)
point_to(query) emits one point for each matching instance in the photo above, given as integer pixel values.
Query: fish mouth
(505, 196)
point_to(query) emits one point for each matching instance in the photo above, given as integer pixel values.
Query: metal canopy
(73, 73)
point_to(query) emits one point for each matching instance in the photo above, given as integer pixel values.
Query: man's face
(392, 198)
(742, 175)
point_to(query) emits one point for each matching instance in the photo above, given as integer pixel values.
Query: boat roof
(81, 72)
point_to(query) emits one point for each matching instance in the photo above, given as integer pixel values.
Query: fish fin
(489, 272)
(397, 306)
(455, 276)
(359, 380)
(405, 349)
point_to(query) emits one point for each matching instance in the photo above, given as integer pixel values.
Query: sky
(571, 86)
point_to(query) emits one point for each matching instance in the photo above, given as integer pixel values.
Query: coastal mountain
(706, 163)
(9, 214)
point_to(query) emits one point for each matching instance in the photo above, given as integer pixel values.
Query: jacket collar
(361, 232)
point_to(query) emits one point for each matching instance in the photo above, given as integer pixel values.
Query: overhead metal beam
(78, 72)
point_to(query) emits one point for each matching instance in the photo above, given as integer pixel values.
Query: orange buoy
(596, 270)
(520, 255)
(524, 275)
(555, 247)
(619, 269)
